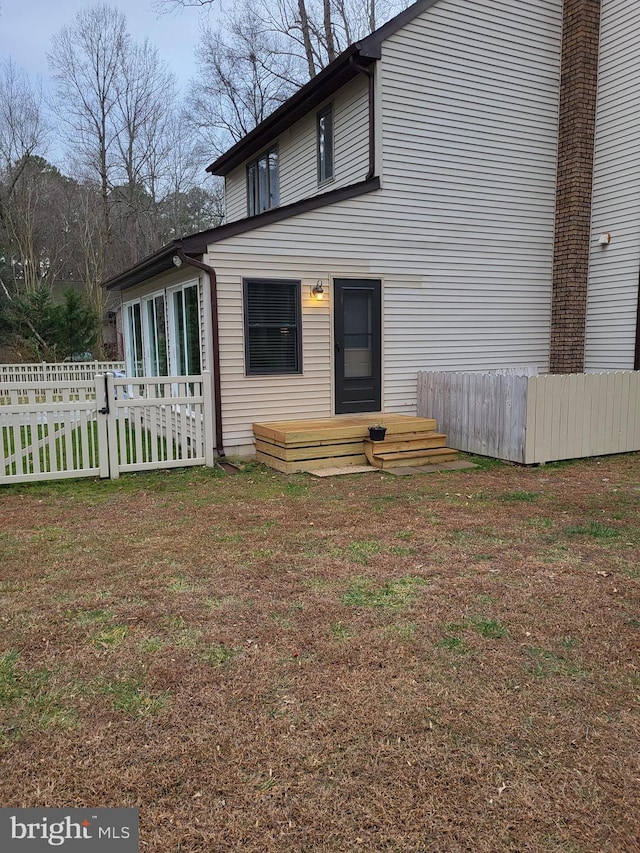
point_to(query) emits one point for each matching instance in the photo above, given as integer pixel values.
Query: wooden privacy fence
(103, 426)
(50, 371)
(534, 419)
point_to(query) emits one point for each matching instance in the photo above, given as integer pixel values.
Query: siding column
(578, 88)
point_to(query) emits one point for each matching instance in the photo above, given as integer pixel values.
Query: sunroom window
(134, 353)
(186, 331)
(162, 333)
(263, 183)
(156, 336)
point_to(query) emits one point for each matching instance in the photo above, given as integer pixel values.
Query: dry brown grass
(261, 663)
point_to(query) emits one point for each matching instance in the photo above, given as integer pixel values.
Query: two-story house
(433, 199)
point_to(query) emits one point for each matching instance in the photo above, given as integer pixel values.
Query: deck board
(299, 445)
(311, 431)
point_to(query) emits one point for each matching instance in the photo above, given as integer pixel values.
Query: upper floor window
(325, 144)
(263, 184)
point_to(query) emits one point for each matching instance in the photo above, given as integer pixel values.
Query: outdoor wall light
(317, 290)
(177, 261)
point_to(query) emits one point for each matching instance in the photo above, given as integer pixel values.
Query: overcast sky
(26, 27)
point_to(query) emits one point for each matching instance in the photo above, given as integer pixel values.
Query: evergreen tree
(74, 326)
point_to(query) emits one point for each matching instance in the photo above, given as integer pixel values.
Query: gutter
(213, 289)
(367, 70)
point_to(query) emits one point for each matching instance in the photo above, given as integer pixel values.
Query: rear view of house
(424, 203)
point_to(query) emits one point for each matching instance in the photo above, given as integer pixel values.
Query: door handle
(337, 347)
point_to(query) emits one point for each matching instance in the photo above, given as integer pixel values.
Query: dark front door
(357, 329)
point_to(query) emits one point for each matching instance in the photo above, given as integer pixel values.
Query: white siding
(472, 177)
(297, 149)
(613, 270)
(461, 233)
(235, 194)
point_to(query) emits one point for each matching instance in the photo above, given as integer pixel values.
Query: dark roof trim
(343, 69)
(196, 244)
(241, 226)
(311, 95)
(148, 267)
(372, 44)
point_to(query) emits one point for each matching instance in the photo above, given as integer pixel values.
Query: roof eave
(156, 264)
(341, 71)
(196, 245)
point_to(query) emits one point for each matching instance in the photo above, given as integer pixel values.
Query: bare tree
(24, 130)
(241, 79)
(117, 101)
(86, 58)
(23, 135)
(146, 92)
(316, 31)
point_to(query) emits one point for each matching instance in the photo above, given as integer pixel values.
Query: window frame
(253, 182)
(174, 330)
(296, 286)
(133, 346)
(152, 349)
(321, 153)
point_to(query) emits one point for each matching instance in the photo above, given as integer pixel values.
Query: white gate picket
(159, 422)
(104, 426)
(46, 430)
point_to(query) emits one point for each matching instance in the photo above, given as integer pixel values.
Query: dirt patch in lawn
(270, 663)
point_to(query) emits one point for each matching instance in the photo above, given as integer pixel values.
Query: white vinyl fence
(49, 371)
(534, 419)
(160, 422)
(103, 426)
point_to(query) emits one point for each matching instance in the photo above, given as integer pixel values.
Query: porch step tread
(409, 442)
(414, 460)
(292, 453)
(414, 454)
(314, 431)
(297, 466)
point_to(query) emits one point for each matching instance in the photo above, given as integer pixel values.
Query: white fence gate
(100, 427)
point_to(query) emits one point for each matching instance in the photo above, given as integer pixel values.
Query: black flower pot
(377, 433)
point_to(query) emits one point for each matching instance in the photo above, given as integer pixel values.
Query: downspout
(368, 73)
(215, 354)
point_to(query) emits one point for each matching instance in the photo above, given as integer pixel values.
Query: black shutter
(272, 326)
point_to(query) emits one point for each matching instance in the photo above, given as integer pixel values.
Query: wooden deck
(293, 446)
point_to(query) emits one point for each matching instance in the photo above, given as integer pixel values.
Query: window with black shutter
(272, 321)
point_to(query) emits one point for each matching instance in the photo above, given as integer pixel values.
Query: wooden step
(409, 458)
(309, 464)
(327, 430)
(321, 451)
(409, 441)
(292, 446)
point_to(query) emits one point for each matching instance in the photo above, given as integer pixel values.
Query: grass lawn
(444, 662)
